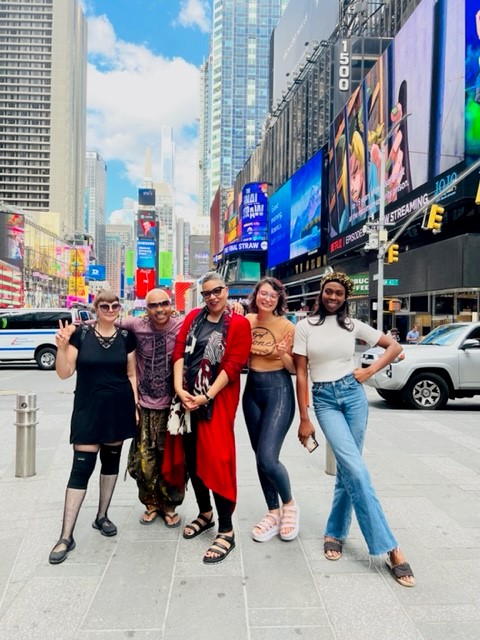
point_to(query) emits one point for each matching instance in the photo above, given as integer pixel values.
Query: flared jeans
(341, 408)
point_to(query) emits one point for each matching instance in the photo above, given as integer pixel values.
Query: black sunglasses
(214, 292)
(115, 306)
(161, 303)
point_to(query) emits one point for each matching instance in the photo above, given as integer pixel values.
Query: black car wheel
(46, 358)
(427, 391)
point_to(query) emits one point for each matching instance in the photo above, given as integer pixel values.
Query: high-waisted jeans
(269, 407)
(341, 408)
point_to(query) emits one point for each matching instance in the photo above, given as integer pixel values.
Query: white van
(29, 334)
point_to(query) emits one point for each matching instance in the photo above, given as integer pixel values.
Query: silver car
(444, 364)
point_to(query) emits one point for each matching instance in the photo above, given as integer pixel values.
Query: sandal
(149, 511)
(269, 527)
(400, 572)
(290, 519)
(220, 548)
(198, 526)
(332, 544)
(171, 519)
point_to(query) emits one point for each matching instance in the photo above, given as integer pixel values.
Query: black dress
(104, 404)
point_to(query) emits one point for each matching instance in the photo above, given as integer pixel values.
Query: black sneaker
(105, 527)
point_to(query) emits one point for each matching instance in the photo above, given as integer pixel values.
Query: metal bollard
(26, 421)
(330, 463)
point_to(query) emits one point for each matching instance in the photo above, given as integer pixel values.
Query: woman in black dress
(103, 411)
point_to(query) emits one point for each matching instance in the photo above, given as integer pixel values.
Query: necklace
(105, 341)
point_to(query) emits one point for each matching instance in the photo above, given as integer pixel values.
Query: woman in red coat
(212, 347)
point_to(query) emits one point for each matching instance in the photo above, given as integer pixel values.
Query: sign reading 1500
(344, 66)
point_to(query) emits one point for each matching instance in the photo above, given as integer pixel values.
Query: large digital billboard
(146, 197)
(145, 254)
(411, 103)
(146, 227)
(472, 78)
(253, 209)
(295, 214)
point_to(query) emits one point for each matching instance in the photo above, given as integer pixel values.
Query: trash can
(26, 425)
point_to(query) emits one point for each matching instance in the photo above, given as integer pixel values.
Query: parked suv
(29, 334)
(444, 364)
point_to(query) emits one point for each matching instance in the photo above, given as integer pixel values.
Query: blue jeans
(341, 408)
(269, 407)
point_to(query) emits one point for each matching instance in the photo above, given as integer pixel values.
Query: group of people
(173, 385)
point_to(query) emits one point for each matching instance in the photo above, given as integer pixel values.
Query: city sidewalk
(149, 583)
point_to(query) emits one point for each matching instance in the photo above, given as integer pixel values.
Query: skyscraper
(237, 86)
(96, 202)
(43, 107)
(167, 156)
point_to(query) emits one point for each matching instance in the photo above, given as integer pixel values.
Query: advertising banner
(232, 220)
(295, 214)
(472, 78)
(146, 225)
(415, 112)
(129, 266)
(165, 268)
(254, 209)
(78, 261)
(144, 281)
(145, 254)
(12, 238)
(146, 197)
(96, 272)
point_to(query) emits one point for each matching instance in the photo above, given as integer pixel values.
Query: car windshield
(444, 335)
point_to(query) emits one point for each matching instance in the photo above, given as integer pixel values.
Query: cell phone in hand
(311, 444)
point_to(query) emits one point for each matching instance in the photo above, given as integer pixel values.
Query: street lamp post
(378, 235)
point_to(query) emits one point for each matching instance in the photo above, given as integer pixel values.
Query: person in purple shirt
(155, 333)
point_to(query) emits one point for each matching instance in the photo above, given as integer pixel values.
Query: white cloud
(195, 13)
(131, 94)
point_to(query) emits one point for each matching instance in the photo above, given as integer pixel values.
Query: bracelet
(209, 398)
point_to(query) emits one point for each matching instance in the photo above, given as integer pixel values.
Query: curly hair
(343, 313)
(278, 287)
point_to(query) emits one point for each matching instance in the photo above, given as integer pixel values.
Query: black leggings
(224, 506)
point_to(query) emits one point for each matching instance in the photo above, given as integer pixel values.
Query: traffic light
(435, 218)
(392, 253)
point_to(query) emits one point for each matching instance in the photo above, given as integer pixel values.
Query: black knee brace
(110, 459)
(82, 468)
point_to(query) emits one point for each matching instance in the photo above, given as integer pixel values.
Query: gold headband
(341, 278)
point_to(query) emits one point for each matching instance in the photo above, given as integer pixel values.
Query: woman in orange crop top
(269, 406)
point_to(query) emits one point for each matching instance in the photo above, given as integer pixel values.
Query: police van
(29, 334)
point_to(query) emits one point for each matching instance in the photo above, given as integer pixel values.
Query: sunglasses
(161, 303)
(214, 292)
(114, 306)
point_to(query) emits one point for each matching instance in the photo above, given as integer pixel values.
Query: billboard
(165, 268)
(414, 111)
(12, 238)
(253, 210)
(232, 226)
(299, 32)
(295, 214)
(145, 254)
(472, 78)
(96, 272)
(144, 281)
(146, 226)
(146, 197)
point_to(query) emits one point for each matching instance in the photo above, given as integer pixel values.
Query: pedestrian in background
(413, 335)
(211, 349)
(325, 345)
(103, 411)
(269, 406)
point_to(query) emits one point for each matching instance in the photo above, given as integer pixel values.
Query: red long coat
(216, 463)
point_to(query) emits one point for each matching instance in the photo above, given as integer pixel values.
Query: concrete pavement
(149, 583)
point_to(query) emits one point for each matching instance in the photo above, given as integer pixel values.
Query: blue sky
(144, 57)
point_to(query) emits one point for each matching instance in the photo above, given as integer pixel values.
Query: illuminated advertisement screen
(295, 214)
(146, 224)
(96, 272)
(145, 254)
(12, 238)
(165, 268)
(144, 281)
(472, 78)
(415, 111)
(146, 197)
(231, 220)
(254, 208)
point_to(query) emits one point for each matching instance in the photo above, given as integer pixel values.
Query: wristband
(209, 399)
